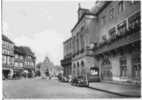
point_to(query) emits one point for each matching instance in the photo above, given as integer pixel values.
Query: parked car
(62, 78)
(74, 81)
(80, 81)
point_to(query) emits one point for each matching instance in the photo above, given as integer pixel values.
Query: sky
(42, 25)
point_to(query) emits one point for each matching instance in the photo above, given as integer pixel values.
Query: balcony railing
(129, 36)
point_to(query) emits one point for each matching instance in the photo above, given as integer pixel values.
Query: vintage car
(80, 81)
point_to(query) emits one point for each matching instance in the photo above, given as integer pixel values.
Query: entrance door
(106, 69)
(136, 67)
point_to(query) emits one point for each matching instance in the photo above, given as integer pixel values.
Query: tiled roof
(5, 38)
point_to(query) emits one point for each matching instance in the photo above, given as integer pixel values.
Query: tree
(38, 66)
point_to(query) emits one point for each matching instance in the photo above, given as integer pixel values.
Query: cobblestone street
(27, 88)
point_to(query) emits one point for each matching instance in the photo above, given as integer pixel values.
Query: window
(21, 57)
(132, 2)
(3, 59)
(103, 20)
(111, 13)
(16, 56)
(112, 32)
(123, 66)
(106, 61)
(82, 63)
(121, 7)
(134, 21)
(82, 41)
(122, 28)
(104, 38)
(16, 64)
(7, 60)
(77, 64)
(136, 66)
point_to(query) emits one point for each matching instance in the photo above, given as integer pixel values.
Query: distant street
(27, 88)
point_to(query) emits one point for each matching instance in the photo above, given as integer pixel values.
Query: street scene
(50, 89)
(71, 49)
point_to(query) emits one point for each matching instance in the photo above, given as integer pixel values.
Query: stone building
(117, 52)
(82, 56)
(7, 56)
(66, 62)
(107, 37)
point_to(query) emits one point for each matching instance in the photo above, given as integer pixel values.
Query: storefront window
(123, 66)
(136, 66)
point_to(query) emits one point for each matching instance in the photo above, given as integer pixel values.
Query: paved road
(49, 89)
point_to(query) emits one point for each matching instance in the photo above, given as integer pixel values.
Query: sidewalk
(123, 90)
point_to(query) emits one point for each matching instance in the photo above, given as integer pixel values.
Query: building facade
(18, 61)
(118, 46)
(66, 62)
(7, 56)
(29, 61)
(82, 59)
(108, 37)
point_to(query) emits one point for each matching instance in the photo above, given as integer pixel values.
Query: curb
(116, 93)
(126, 84)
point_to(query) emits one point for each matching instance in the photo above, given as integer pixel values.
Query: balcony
(89, 52)
(121, 40)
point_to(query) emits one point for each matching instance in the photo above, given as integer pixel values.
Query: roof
(87, 13)
(97, 9)
(69, 39)
(5, 38)
(100, 5)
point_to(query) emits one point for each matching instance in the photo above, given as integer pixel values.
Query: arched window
(82, 63)
(77, 64)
